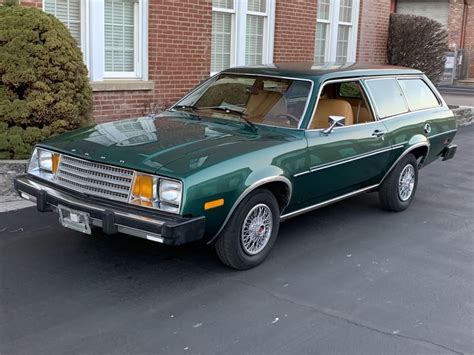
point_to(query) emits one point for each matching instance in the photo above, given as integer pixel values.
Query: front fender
(233, 188)
(255, 185)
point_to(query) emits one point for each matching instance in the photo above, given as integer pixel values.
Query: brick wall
(179, 45)
(454, 22)
(179, 52)
(455, 17)
(295, 28)
(469, 41)
(374, 18)
(32, 3)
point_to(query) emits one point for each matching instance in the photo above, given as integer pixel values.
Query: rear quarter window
(418, 94)
(388, 96)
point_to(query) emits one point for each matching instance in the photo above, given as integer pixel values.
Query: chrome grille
(95, 178)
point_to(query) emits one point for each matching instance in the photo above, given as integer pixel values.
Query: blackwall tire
(398, 189)
(251, 232)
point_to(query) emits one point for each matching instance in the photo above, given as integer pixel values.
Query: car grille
(95, 178)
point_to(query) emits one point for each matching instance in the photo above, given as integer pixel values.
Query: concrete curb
(15, 204)
(9, 200)
(8, 170)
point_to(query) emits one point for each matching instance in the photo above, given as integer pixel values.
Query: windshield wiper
(232, 111)
(191, 108)
(186, 107)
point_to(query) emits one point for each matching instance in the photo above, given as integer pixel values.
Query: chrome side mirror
(334, 121)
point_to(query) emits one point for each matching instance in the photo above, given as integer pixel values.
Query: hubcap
(257, 229)
(406, 183)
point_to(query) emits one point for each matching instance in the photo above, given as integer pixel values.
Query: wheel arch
(418, 147)
(280, 186)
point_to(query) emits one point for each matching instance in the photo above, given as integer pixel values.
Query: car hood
(150, 143)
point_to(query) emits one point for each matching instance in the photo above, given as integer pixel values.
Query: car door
(347, 159)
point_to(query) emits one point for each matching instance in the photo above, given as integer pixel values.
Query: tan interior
(264, 102)
(361, 114)
(331, 107)
(359, 109)
(354, 109)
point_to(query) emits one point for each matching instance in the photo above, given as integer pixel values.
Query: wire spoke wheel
(406, 182)
(257, 229)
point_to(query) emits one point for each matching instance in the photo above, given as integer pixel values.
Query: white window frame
(93, 46)
(136, 50)
(233, 39)
(84, 45)
(239, 31)
(333, 29)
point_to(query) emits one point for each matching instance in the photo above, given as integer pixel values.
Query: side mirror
(334, 121)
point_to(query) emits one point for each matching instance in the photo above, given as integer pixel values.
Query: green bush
(44, 87)
(417, 42)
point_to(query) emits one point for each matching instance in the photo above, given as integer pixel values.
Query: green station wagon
(243, 151)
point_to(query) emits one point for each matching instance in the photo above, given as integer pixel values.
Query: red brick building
(143, 54)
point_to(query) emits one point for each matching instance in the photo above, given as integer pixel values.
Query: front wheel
(251, 232)
(398, 189)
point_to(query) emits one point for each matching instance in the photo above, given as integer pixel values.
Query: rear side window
(418, 94)
(388, 97)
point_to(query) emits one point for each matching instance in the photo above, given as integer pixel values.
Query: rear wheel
(398, 189)
(251, 231)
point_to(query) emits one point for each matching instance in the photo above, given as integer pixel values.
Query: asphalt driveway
(350, 278)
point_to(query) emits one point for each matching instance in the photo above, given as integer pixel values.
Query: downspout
(393, 6)
(464, 24)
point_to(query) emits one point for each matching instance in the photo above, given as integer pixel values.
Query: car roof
(307, 70)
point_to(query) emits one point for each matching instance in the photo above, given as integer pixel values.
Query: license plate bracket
(73, 219)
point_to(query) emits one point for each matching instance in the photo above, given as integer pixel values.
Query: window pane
(342, 43)
(321, 40)
(119, 35)
(257, 5)
(418, 94)
(345, 12)
(69, 13)
(350, 89)
(323, 9)
(270, 101)
(387, 96)
(221, 41)
(223, 4)
(254, 40)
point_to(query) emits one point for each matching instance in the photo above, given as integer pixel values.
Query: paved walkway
(11, 203)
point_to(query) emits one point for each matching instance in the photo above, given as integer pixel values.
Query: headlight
(160, 193)
(44, 163)
(170, 195)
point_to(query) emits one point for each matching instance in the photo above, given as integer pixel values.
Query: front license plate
(73, 219)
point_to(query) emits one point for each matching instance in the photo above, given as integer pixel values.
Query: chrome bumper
(152, 225)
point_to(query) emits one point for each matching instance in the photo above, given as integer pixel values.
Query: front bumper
(152, 225)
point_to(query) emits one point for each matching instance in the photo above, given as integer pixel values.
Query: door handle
(378, 133)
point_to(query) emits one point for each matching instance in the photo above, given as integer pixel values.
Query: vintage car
(243, 151)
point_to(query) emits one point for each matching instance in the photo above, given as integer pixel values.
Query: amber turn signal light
(214, 204)
(143, 186)
(55, 163)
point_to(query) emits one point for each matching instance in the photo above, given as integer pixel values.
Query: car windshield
(253, 99)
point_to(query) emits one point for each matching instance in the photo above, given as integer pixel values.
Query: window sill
(122, 85)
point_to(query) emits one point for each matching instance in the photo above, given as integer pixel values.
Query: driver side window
(346, 99)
